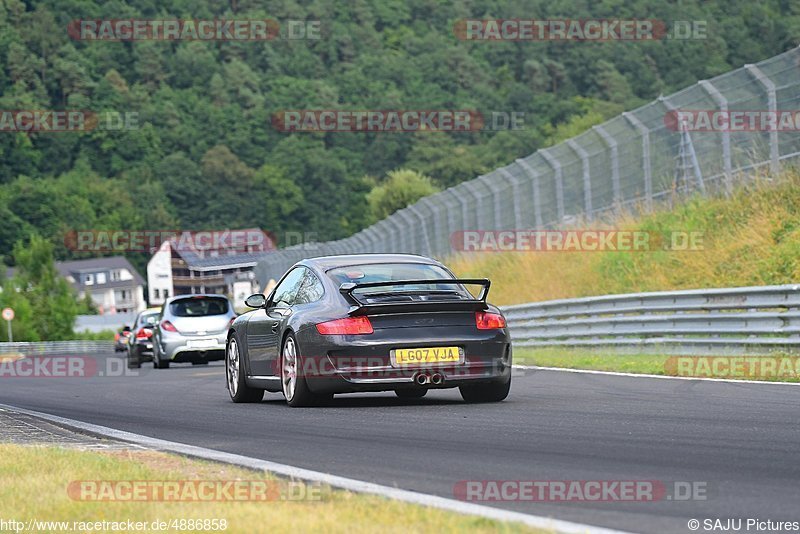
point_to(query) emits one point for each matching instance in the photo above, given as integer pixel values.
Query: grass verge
(655, 364)
(34, 484)
(751, 238)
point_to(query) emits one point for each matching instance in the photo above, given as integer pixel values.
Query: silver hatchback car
(192, 328)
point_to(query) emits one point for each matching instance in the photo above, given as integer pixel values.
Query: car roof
(325, 263)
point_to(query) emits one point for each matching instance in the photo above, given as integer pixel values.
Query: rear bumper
(382, 379)
(356, 363)
(181, 348)
(143, 350)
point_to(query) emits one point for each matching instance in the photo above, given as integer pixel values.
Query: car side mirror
(256, 301)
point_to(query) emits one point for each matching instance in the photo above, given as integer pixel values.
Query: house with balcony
(112, 282)
(179, 268)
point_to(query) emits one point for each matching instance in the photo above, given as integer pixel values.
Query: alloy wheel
(232, 368)
(289, 369)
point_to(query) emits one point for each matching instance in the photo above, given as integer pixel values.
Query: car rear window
(387, 272)
(149, 318)
(199, 307)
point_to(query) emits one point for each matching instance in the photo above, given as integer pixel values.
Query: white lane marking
(349, 484)
(642, 375)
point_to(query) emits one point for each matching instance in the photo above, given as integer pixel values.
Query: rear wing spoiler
(359, 307)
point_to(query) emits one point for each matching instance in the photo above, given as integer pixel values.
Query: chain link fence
(627, 164)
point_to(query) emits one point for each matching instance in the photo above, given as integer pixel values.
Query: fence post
(373, 237)
(612, 145)
(395, 240)
(409, 244)
(363, 240)
(556, 165)
(722, 103)
(463, 204)
(423, 228)
(536, 196)
(442, 215)
(772, 100)
(497, 205)
(587, 179)
(451, 216)
(479, 215)
(648, 177)
(515, 193)
(686, 149)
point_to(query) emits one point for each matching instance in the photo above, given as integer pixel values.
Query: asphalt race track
(741, 440)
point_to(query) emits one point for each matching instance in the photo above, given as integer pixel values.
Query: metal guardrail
(738, 320)
(56, 348)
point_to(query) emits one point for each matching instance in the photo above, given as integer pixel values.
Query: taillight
(489, 320)
(168, 326)
(144, 333)
(230, 323)
(348, 325)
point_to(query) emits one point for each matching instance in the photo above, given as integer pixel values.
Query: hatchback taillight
(489, 320)
(168, 326)
(348, 325)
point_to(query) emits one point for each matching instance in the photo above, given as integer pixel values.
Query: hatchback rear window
(199, 307)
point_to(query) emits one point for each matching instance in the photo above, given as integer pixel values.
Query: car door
(264, 328)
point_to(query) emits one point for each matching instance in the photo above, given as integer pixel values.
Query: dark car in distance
(121, 339)
(140, 343)
(369, 322)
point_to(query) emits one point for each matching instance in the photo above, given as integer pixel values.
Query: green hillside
(205, 155)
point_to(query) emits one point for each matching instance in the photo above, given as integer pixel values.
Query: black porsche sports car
(369, 322)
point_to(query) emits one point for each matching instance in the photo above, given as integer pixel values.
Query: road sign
(8, 315)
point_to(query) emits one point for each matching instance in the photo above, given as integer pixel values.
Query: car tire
(410, 393)
(158, 363)
(133, 360)
(297, 394)
(492, 392)
(235, 381)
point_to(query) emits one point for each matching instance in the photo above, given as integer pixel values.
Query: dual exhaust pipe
(435, 379)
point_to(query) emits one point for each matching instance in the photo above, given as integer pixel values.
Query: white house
(112, 282)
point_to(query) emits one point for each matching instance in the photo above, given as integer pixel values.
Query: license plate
(201, 343)
(426, 355)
